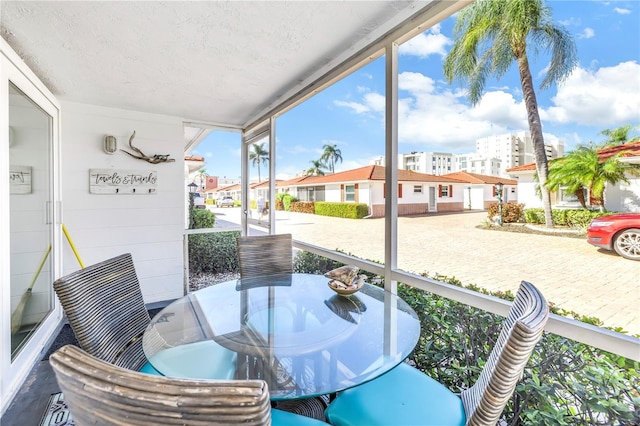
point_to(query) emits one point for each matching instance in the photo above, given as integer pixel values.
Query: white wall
(149, 226)
(623, 197)
(526, 192)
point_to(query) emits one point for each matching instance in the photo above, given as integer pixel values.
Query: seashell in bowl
(346, 289)
(345, 274)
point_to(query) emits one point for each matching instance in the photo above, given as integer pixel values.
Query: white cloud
(375, 101)
(570, 21)
(607, 98)
(622, 11)
(436, 116)
(500, 108)
(430, 42)
(415, 82)
(586, 33)
(357, 107)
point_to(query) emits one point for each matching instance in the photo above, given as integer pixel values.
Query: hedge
(573, 218)
(213, 253)
(345, 210)
(203, 218)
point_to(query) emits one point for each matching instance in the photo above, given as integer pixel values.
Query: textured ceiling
(208, 61)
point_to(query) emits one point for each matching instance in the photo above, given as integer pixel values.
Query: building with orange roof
(624, 197)
(481, 190)
(418, 193)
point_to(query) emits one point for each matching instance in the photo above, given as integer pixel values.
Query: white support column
(244, 184)
(391, 166)
(272, 175)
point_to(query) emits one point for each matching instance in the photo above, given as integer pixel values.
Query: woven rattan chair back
(485, 400)
(106, 311)
(265, 254)
(99, 393)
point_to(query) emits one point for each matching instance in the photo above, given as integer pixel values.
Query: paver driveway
(571, 273)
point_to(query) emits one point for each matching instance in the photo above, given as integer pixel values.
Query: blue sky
(603, 92)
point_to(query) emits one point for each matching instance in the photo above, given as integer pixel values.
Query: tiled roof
(360, 174)
(232, 187)
(193, 158)
(523, 168)
(478, 178)
(630, 149)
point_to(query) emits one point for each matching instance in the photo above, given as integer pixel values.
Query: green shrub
(279, 202)
(346, 210)
(564, 382)
(309, 263)
(213, 253)
(534, 215)
(203, 218)
(511, 212)
(573, 218)
(287, 200)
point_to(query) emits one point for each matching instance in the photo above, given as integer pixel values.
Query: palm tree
(202, 177)
(258, 155)
(331, 154)
(503, 29)
(316, 168)
(582, 168)
(617, 136)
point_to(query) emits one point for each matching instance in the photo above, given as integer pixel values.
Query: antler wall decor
(158, 158)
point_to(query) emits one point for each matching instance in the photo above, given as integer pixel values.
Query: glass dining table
(291, 330)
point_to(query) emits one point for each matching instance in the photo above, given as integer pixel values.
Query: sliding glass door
(30, 204)
(30, 222)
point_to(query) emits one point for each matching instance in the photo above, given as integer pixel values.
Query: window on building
(349, 193)
(444, 190)
(417, 189)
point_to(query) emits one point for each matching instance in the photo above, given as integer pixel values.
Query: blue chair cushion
(199, 360)
(403, 396)
(285, 418)
(148, 369)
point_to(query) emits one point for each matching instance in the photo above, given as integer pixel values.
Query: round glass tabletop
(290, 330)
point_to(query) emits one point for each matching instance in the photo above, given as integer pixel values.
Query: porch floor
(30, 402)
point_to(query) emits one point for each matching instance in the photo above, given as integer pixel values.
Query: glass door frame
(12, 373)
(249, 137)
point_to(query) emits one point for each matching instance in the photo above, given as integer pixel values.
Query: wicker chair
(106, 311)
(265, 254)
(406, 396)
(99, 393)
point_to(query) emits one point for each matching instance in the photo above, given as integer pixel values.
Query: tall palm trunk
(535, 128)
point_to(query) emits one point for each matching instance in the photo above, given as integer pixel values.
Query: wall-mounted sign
(19, 179)
(110, 181)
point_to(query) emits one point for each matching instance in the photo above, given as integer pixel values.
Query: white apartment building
(494, 155)
(472, 163)
(433, 163)
(514, 149)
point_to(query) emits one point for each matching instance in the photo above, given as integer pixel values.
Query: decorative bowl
(343, 290)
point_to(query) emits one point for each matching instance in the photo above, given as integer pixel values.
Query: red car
(619, 232)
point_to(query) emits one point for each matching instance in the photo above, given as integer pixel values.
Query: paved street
(571, 273)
